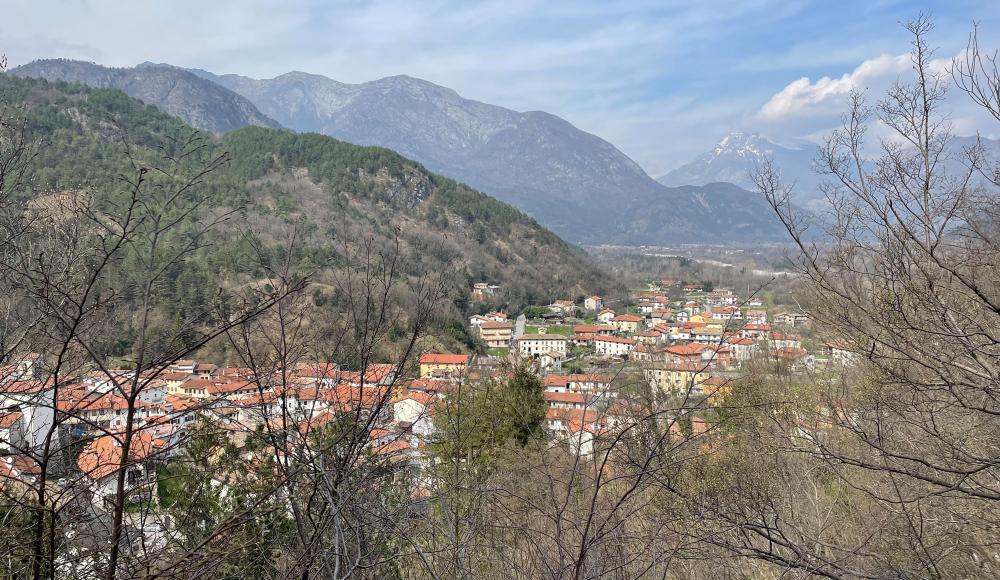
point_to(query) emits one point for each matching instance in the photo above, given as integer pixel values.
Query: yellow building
(441, 365)
(676, 378)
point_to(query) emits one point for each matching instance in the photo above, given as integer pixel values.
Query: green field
(563, 329)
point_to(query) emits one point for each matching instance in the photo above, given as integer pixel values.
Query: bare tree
(905, 270)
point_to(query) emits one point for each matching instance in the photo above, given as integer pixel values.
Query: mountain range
(735, 156)
(571, 181)
(344, 200)
(196, 101)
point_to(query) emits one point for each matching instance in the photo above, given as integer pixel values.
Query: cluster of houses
(92, 409)
(683, 338)
(90, 412)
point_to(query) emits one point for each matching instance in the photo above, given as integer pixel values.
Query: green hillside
(339, 196)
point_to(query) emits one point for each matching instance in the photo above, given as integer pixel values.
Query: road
(519, 326)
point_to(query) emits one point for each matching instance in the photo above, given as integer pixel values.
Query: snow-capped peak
(743, 144)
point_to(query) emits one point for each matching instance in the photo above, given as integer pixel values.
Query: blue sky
(661, 80)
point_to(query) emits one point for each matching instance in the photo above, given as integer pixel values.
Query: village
(674, 342)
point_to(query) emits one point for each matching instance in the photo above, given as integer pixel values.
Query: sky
(662, 80)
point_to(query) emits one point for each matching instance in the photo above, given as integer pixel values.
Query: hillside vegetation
(339, 198)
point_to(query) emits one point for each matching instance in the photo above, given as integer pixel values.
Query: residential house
(627, 322)
(707, 335)
(590, 382)
(840, 352)
(564, 307)
(100, 460)
(797, 359)
(675, 377)
(693, 353)
(755, 331)
(577, 428)
(727, 314)
(173, 380)
(743, 349)
(721, 298)
(35, 400)
(579, 383)
(569, 400)
(195, 387)
(792, 319)
(593, 303)
(606, 329)
(413, 412)
(552, 360)
(648, 336)
(184, 366)
(605, 316)
(483, 290)
(497, 316)
(10, 431)
(781, 340)
(442, 365)
(535, 345)
(205, 370)
(496, 334)
(614, 345)
(662, 315)
(648, 352)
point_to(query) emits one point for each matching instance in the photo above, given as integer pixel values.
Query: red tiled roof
(627, 318)
(444, 359)
(688, 349)
(590, 378)
(592, 328)
(10, 419)
(576, 398)
(103, 456)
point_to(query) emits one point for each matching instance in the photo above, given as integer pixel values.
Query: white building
(535, 345)
(614, 345)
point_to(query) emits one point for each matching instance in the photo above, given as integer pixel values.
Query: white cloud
(661, 79)
(811, 110)
(804, 98)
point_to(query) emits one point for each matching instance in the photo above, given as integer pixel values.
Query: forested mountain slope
(337, 195)
(572, 181)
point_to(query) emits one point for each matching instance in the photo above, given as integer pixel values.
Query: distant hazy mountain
(576, 183)
(734, 157)
(177, 92)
